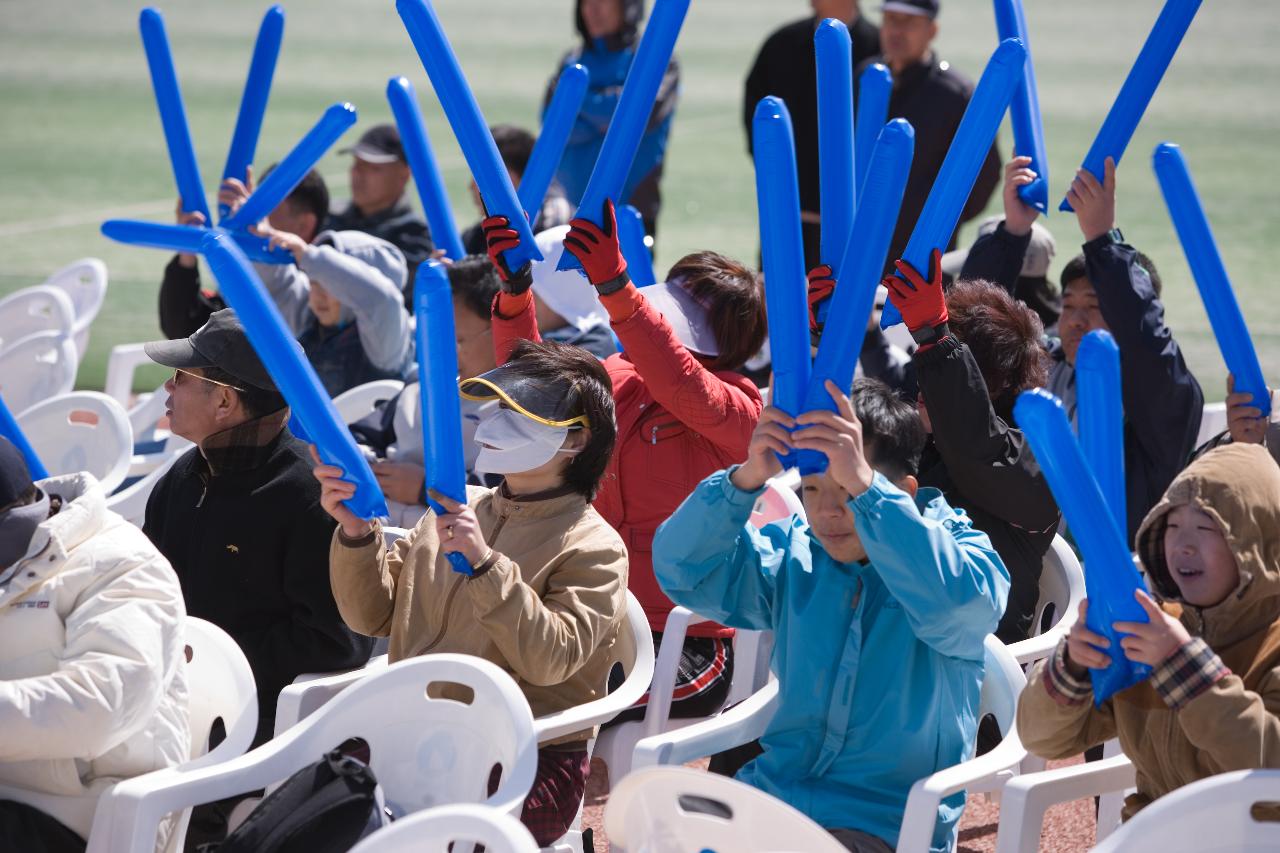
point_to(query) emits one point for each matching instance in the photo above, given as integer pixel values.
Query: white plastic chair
(680, 810)
(425, 751)
(39, 366)
(34, 309)
(1001, 686)
(1212, 422)
(777, 502)
(81, 431)
(354, 403)
(131, 501)
(1214, 815)
(1062, 588)
(220, 686)
(438, 830)
(85, 283)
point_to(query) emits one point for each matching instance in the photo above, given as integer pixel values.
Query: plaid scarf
(244, 446)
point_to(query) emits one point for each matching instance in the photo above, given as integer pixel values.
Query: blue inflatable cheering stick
(875, 84)
(634, 251)
(173, 115)
(9, 429)
(253, 104)
(964, 158)
(463, 113)
(422, 163)
(438, 386)
(855, 293)
(1210, 273)
(1139, 87)
(557, 124)
(1110, 577)
(1100, 418)
(836, 162)
(1024, 109)
(631, 116)
(782, 247)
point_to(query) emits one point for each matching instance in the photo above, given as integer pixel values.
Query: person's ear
(577, 439)
(227, 405)
(910, 485)
(933, 30)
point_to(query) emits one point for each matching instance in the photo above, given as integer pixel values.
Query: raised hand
(1018, 215)
(1094, 203)
(838, 436)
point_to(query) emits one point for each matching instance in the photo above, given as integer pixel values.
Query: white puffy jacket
(92, 683)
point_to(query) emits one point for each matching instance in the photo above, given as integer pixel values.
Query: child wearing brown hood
(1211, 549)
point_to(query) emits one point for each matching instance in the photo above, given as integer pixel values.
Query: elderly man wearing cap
(930, 94)
(379, 175)
(92, 676)
(239, 515)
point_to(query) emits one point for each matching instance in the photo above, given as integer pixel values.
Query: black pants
(30, 830)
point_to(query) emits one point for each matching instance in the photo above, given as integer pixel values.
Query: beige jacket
(1200, 713)
(550, 611)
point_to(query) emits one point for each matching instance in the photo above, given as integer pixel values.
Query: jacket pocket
(667, 454)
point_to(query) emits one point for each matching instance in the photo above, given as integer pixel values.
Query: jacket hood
(1238, 485)
(374, 251)
(82, 514)
(632, 13)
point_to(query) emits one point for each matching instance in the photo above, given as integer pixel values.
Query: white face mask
(510, 443)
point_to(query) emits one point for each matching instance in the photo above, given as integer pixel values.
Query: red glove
(599, 252)
(922, 303)
(821, 286)
(498, 237)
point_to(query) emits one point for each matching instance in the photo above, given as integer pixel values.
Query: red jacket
(677, 423)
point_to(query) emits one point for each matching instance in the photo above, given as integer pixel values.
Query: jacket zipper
(453, 590)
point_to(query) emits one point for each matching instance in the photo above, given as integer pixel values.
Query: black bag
(324, 808)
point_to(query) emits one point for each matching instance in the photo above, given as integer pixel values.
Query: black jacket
(984, 466)
(400, 226)
(933, 97)
(251, 550)
(784, 68)
(1163, 402)
(184, 307)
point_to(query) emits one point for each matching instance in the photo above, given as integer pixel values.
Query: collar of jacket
(81, 514)
(357, 217)
(546, 504)
(916, 74)
(245, 446)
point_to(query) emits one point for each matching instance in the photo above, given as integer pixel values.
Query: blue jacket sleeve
(707, 556)
(946, 575)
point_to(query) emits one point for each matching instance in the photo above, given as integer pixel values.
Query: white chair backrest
(221, 687)
(131, 501)
(438, 830)
(1212, 421)
(34, 309)
(39, 366)
(1213, 815)
(777, 502)
(81, 431)
(1061, 586)
(85, 282)
(354, 403)
(661, 809)
(1002, 683)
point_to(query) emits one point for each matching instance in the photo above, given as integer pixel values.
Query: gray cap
(220, 343)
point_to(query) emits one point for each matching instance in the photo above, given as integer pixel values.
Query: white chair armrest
(310, 691)
(736, 726)
(121, 364)
(1032, 649)
(665, 669)
(1025, 799)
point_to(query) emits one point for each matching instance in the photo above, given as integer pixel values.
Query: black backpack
(323, 808)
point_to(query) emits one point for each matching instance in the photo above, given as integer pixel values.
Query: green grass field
(81, 141)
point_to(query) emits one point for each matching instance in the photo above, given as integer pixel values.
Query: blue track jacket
(879, 664)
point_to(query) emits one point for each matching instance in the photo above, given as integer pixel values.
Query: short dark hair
(515, 146)
(549, 361)
(892, 434)
(474, 280)
(311, 195)
(734, 299)
(256, 401)
(1004, 335)
(1077, 269)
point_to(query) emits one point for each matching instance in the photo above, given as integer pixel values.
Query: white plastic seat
(81, 431)
(446, 828)
(85, 283)
(220, 686)
(355, 403)
(680, 810)
(35, 368)
(1002, 684)
(425, 750)
(32, 310)
(131, 501)
(1062, 589)
(1212, 422)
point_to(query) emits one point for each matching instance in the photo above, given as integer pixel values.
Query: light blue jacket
(879, 664)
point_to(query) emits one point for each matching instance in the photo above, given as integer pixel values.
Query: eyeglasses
(177, 371)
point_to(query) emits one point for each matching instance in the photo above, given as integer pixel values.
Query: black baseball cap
(220, 343)
(927, 8)
(15, 477)
(380, 144)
